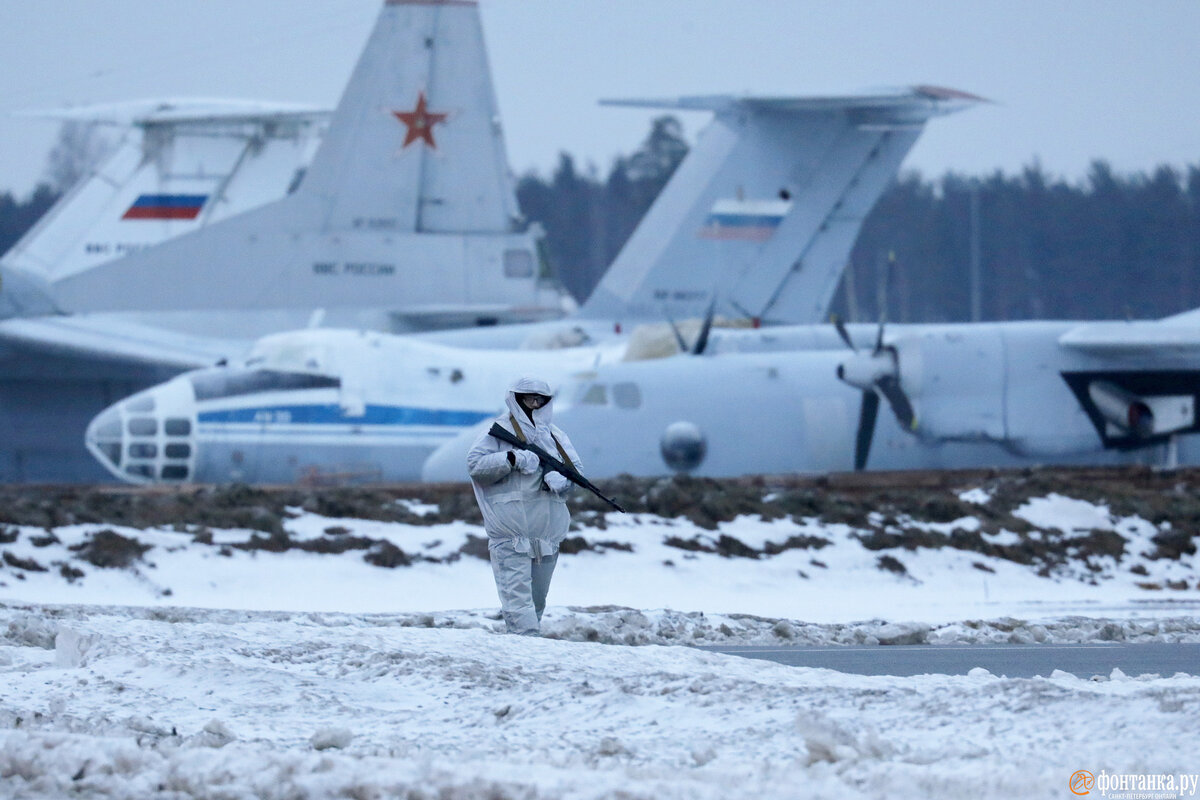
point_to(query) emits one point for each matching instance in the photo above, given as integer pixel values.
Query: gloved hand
(526, 461)
(557, 482)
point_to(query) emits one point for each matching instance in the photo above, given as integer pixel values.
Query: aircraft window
(143, 426)
(141, 450)
(627, 395)
(111, 451)
(140, 405)
(214, 384)
(109, 427)
(177, 451)
(594, 396)
(518, 264)
(140, 470)
(178, 427)
(174, 472)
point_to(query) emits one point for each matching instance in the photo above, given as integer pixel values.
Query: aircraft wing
(111, 340)
(1141, 338)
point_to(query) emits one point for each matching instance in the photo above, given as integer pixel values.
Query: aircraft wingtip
(946, 93)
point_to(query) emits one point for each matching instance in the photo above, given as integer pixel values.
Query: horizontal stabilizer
(168, 111)
(926, 101)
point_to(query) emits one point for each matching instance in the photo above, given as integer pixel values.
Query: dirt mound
(110, 549)
(888, 510)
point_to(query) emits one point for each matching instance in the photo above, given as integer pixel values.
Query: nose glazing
(140, 441)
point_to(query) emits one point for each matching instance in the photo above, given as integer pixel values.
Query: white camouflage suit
(524, 508)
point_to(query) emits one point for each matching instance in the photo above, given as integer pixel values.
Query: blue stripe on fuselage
(743, 220)
(329, 414)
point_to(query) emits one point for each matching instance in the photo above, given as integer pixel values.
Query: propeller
(683, 348)
(701, 344)
(875, 373)
(841, 329)
(867, 411)
(889, 386)
(702, 340)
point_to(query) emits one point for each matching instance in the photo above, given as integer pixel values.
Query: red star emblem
(419, 122)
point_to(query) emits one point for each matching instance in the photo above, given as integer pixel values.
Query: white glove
(526, 461)
(557, 482)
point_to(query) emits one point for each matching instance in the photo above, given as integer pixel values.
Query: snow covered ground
(354, 658)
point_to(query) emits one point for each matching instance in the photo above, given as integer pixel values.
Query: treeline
(1107, 246)
(18, 216)
(587, 219)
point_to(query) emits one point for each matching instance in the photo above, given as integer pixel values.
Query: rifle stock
(551, 463)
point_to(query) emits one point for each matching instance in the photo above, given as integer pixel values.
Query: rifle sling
(566, 459)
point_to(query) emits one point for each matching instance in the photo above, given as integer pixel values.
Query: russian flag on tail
(166, 206)
(744, 220)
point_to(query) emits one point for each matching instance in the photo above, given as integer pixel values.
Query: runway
(1011, 660)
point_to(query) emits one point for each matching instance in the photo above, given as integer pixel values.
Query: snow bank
(1061, 557)
(193, 703)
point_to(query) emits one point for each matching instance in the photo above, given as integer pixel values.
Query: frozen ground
(807, 570)
(336, 656)
(105, 702)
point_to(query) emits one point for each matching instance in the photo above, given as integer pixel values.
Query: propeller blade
(866, 429)
(841, 329)
(889, 272)
(889, 385)
(884, 292)
(683, 348)
(702, 339)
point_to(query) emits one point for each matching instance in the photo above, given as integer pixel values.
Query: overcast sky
(1071, 80)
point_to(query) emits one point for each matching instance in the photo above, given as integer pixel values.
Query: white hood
(541, 416)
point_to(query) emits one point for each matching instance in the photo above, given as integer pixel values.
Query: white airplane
(223, 222)
(763, 210)
(960, 395)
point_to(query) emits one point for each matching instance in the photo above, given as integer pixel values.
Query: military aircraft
(760, 217)
(958, 395)
(224, 222)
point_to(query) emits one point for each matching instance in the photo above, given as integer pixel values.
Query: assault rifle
(550, 463)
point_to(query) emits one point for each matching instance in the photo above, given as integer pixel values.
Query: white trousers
(522, 583)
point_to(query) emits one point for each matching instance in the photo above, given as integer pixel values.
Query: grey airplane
(808, 400)
(221, 222)
(758, 220)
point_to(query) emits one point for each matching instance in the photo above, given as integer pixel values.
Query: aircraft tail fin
(177, 166)
(415, 143)
(763, 211)
(405, 217)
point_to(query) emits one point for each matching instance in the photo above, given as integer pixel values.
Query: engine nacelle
(1121, 408)
(1142, 417)
(955, 380)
